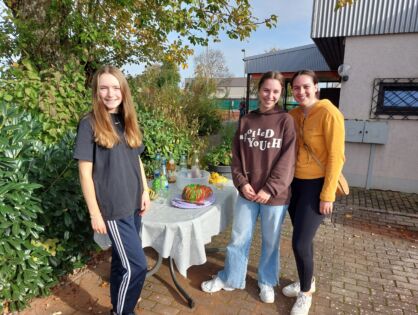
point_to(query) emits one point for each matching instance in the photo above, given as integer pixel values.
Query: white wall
(395, 166)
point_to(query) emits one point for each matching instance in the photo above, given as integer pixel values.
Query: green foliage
(165, 136)
(119, 32)
(222, 154)
(42, 212)
(64, 216)
(172, 119)
(200, 104)
(25, 271)
(57, 98)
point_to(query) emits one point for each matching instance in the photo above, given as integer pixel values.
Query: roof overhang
(323, 76)
(332, 49)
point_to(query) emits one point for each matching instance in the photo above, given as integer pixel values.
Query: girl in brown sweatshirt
(262, 170)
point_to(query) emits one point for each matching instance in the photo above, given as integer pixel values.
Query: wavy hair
(104, 132)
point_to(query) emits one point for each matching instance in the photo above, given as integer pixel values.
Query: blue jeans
(245, 217)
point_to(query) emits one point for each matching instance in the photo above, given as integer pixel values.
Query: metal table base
(182, 291)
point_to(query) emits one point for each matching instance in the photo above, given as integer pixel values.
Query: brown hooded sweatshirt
(264, 153)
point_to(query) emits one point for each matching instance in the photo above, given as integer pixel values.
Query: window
(395, 97)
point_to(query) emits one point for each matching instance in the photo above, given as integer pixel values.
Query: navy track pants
(129, 265)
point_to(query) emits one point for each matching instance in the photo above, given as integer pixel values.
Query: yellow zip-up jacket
(323, 131)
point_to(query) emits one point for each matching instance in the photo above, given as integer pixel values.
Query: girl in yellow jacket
(320, 132)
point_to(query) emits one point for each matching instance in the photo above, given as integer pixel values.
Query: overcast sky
(292, 30)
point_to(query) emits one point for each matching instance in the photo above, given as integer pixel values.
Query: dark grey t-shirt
(116, 171)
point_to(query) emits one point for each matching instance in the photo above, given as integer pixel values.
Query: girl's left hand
(262, 197)
(145, 203)
(325, 207)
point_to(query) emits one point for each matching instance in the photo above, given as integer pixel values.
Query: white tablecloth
(183, 233)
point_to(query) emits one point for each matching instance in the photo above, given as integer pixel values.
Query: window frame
(392, 112)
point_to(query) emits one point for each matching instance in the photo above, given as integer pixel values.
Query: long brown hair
(104, 132)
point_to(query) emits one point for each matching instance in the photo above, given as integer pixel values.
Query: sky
(293, 29)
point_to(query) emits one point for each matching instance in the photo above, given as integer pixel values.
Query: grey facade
(364, 17)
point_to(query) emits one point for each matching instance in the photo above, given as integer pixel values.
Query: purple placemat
(178, 202)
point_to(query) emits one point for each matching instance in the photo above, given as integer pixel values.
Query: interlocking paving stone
(366, 262)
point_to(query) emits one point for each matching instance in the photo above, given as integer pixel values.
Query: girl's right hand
(248, 192)
(98, 225)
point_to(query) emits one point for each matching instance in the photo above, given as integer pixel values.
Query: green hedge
(42, 209)
(25, 270)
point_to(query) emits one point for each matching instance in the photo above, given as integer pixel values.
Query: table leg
(183, 292)
(157, 266)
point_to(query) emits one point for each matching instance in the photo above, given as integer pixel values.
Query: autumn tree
(211, 64)
(50, 32)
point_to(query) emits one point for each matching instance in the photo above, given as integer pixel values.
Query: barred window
(396, 97)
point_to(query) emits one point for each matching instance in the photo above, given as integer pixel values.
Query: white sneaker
(266, 293)
(215, 285)
(292, 290)
(302, 305)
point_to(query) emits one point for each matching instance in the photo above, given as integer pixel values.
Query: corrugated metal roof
(287, 60)
(364, 17)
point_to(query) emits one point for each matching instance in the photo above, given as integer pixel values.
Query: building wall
(395, 166)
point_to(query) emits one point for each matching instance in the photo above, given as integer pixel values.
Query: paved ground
(366, 263)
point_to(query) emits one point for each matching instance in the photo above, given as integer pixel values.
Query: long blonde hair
(104, 132)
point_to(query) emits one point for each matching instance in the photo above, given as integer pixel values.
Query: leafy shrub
(222, 153)
(167, 122)
(200, 104)
(164, 136)
(65, 216)
(25, 271)
(193, 109)
(41, 142)
(57, 99)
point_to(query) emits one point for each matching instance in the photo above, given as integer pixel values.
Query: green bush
(164, 136)
(25, 271)
(169, 124)
(222, 153)
(37, 165)
(57, 99)
(199, 104)
(65, 216)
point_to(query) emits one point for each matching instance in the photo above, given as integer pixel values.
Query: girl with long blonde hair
(112, 177)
